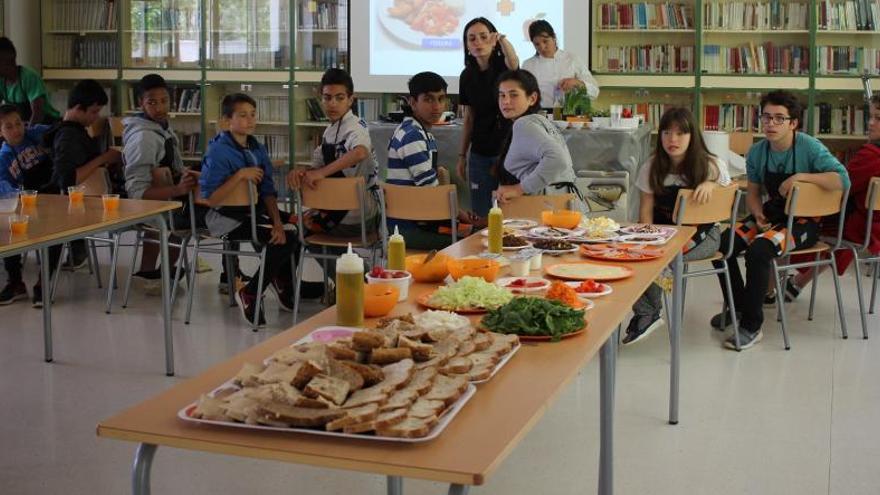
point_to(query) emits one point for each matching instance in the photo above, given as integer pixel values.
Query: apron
(774, 207)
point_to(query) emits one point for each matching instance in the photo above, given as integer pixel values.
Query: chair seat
(717, 256)
(819, 247)
(337, 241)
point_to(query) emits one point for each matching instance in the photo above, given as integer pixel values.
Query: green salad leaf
(535, 316)
(470, 292)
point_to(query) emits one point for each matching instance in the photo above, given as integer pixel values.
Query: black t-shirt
(477, 90)
(72, 147)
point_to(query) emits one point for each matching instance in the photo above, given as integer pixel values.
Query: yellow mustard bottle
(350, 290)
(396, 251)
(496, 228)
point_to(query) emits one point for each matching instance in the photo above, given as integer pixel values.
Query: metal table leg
(459, 489)
(140, 470)
(166, 295)
(607, 365)
(395, 485)
(46, 285)
(675, 337)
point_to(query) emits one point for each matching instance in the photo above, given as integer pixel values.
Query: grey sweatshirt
(538, 155)
(143, 149)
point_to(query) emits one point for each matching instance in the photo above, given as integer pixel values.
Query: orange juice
(18, 224)
(111, 202)
(28, 199)
(77, 197)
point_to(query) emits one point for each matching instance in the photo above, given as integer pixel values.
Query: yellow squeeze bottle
(396, 251)
(496, 227)
(350, 290)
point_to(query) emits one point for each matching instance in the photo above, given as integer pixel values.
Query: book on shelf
(761, 16)
(645, 16)
(841, 119)
(732, 117)
(645, 58)
(272, 108)
(189, 142)
(277, 145)
(855, 60)
(324, 57)
(83, 15)
(368, 109)
(89, 52)
(155, 16)
(316, 113)
(749, 58)
(848, 15)
(321, 14)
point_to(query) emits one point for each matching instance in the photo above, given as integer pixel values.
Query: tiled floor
(764, 421)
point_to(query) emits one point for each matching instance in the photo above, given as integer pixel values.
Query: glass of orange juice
(111, 202)
(76, 195)
(28, 198)
(18, 224)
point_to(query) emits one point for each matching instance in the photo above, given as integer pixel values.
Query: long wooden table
(475, 443)
(53, 221)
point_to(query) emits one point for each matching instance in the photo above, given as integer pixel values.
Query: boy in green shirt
(23, 87)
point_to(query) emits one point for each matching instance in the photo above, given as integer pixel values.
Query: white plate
(500, 364)
(485, 232)
(661, 230)
(509, 248)
(553, 233)
(653, 239)
(401, 30)
(609, 237)
(519, 223)
(591, 295)
(559, 252)
(445, 419)
(503, 282)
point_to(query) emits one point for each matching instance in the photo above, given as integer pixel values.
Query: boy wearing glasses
(773, 166)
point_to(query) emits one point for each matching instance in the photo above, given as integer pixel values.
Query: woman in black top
(487, 54)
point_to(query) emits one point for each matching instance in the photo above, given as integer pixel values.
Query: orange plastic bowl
(474, 267)
(434, 271)
(379, 299)
(562, 219)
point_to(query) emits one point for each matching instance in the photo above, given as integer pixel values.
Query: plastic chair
(419, 204)
(872, 204)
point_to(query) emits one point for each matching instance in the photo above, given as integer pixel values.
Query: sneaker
(792, 291)
(247, 304)
(37, 300)
(747, 339)
(718, 324)
(14, 291)
(770, 298)
(75, 260)
(284, 294)
(202, 266)
(240, 281)
(640, 326)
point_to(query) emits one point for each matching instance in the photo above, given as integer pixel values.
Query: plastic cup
(18, 224)
(111, 202)
(28, 198)
(76, 194)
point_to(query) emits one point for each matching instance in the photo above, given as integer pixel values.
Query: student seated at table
(24, 164)
(233, 157)
(534, 158)
(774, 165)
(76, 155)
(863, 166)
(23, 87)
(412, 161)
(680, 161)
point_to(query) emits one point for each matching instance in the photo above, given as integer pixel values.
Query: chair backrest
(532, 206)
(244, 194)
(419, 203)
(335, 193)
(116, 127)
(740, 142)
(813, 200)
(98, 183)
(873, 195)
(689, 212)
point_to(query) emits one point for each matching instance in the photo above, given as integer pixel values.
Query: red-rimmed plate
(584, 270)
(547, 338)
(606, 289)
(424, 299)
(528, 284)
(620, 252)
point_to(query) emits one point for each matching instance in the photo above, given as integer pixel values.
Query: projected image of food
(430, 17)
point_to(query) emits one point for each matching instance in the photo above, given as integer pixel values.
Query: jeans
(482, 182)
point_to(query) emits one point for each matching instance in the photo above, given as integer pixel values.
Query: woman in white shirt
(557, 70)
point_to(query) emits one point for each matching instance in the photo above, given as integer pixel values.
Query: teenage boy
(233, 157)
(75, 154)
(412, 160)
(346, 151)
(773, 165)
(24, 164)
(23, 87)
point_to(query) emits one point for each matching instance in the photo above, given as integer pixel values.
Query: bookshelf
(742, 48)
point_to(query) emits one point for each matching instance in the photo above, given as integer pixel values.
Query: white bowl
(401, 283)
(576, 125)
(8, 202)
(561, 124)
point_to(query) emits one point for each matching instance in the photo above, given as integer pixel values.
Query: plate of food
(560, 291)
(523, 285)
(519, 223)
(552, 233)
(535, 318)
(555, 247)
(435, 24)
(468, 295)
(646, 239)
(589, 288)
(504, 231)
(621, 252)
(647, 228)
(585, 270)
(511, 242)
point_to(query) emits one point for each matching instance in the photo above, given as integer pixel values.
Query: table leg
(166, 295)
(46, 284)
(675, 337)
(459, 489)
(395, 485)
(140, 471)
(607, 365)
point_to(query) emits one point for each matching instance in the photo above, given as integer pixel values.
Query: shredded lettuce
(470, 292)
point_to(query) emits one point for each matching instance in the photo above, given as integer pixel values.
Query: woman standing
(487, 54)
(557, 70)
(535, 155)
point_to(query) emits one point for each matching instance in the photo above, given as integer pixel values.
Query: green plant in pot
(577, 102)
